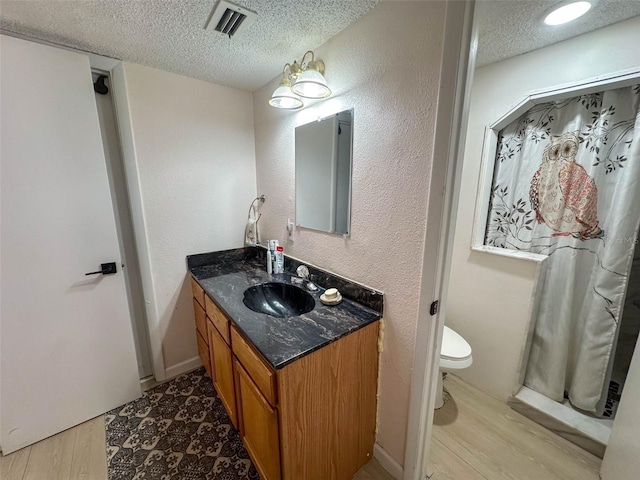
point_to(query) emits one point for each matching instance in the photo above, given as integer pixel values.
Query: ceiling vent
(230, 19)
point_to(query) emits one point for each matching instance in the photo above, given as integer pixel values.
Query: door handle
(105, 269)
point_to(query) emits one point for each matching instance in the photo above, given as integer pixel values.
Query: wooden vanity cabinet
(321, 422)
(313, 419)
(327, 407)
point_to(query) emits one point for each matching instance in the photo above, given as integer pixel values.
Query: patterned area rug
(176, 431)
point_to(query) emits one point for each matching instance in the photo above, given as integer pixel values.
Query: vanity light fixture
(283, 97)
(304, 79)
(567, 11)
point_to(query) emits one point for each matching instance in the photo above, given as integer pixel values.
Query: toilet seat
(455, 352)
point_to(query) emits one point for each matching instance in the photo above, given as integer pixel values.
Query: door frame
(459, 56)
(124, 225)
(117, 76)
(115, 69)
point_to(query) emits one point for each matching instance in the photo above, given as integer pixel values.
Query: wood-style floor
(80, 454)
(77, 453)
(476, 437)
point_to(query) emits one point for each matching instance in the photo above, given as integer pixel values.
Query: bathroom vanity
(300, 389)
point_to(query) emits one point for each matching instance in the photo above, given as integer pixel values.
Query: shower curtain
(567, 185)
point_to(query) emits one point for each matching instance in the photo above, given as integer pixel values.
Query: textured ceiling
(170, 34)
(511, 27)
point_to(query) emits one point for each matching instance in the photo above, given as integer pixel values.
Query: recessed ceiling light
(567, 11)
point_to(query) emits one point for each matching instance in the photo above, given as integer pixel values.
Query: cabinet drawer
(203, 353)
(262, 375)
(198, 292)
(218, 318)
(201, 320)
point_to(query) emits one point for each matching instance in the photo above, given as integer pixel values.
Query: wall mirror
(323, 152)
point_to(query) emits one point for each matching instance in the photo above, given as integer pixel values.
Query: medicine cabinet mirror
(323, 152)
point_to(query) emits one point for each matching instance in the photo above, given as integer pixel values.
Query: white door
(66, 345)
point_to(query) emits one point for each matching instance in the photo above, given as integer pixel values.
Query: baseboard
(183, 367)
(388, 462)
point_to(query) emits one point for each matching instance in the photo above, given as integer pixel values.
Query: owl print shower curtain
(567, 185)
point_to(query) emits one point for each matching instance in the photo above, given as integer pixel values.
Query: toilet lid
(454, 347)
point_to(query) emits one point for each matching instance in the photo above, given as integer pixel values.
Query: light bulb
(567, 12)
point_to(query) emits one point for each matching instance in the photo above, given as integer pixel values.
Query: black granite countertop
(227, 274)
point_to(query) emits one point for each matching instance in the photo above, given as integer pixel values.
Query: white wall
(195, 160)
(622, 457)
(490, 296)
(386, 67)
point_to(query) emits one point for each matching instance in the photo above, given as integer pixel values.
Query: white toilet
(455, 354)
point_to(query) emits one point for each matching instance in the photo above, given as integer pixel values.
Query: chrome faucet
(303, 278)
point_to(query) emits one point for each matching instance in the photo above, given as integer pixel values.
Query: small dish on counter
(331, 297)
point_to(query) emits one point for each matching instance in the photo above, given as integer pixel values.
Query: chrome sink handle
(303, 272)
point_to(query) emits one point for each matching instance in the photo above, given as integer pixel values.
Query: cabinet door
(222, 364)
(259, 427)
(212, 359)
(203, 352)
(201, 319)
(262, 375)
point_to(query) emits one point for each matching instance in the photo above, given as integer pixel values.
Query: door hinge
(434, 308)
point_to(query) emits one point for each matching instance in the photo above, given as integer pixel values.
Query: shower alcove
(559, 187)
